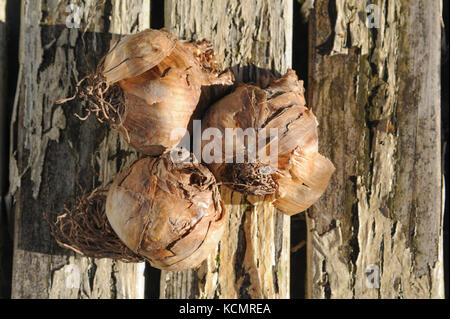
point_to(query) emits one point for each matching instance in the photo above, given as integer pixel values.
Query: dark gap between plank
(153, 275)
(298, 222)
(156, 14)
(12, 30)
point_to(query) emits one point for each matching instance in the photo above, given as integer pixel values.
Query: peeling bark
(376, 94)
(53, 150)
(252, 260)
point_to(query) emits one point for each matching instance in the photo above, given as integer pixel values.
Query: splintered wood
(252, 260)
(377, 231)
(54, 151)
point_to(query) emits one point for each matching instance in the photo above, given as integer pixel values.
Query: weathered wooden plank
(54, 150)
(376, 94)
(252, 260)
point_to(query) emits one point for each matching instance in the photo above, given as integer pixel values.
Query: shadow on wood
(51, 184)
(9, 41)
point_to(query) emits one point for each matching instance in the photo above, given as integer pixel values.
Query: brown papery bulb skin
(169, 213)
(161, 77)
(301, 174)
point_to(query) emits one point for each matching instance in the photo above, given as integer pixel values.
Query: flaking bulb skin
(169, 213)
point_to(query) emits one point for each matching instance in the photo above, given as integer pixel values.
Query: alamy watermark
(373, 16)
(73, 276)
(231, 145)
(372, 276)
(73, 20)
(75, 13)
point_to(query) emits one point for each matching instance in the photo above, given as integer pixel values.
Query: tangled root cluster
(85, 229)
(105, 101)
(249, 178)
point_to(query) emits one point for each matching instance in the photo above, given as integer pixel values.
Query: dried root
(105, 101)
(148, 85)
(85, 229)
(301, 174)
(210, 62)
(250, 179)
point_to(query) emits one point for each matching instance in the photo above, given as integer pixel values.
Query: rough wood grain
(252, 260)
(376, 94)
(53, 150)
